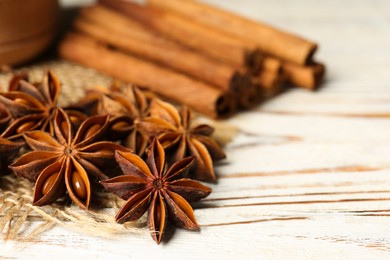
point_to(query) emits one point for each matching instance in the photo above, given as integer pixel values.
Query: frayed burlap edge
(16, 194)
(16, 210)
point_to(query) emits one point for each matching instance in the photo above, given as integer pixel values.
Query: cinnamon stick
(129, 36)
(172, 85)
(269, 78)
(271, 40)
(229, 49)
(250, 96)
(122, 24)
(270, 83)
(271, 65)
(309, 77)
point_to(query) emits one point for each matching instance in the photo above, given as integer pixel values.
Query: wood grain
(308, 174)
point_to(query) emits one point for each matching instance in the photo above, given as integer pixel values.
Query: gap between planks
(357, 200)
(324, 114)
(351, 168)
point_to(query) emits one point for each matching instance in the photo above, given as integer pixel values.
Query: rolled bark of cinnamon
(271, 65)
(270, 78)
(130, 28)
(270, 83)
(308, 77)
(251, 96)
(125, 34)
(169, 84)
(226, 48)
(271, 40)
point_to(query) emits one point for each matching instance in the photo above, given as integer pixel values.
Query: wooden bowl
(26, 28)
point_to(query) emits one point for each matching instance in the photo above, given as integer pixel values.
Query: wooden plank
(307, 175)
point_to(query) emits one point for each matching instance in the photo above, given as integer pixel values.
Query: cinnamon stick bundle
(172, 85)
(296, 53)
(309, 77)
(126, 34)
(226, 48)
(269, 39)
(225, 40)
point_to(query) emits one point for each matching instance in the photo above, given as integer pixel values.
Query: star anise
(126, 105)
(153, 187)
(67, 162)
(181, 139)
(33, 105)
(132, 106)
(5, 118)
(8, 148)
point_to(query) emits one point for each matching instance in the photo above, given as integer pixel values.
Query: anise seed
(120, 125)
(92, 130)
(65, 129)
(25, 127)
(75, 120)
(79, 185)
(22, 101)
(49, 183)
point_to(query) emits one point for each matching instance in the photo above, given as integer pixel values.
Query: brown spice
(67, 162)
(151, 186)
(33, 105)
(126, 105)
(308, 77)
(270, 83)
(181, 139)
(8, 150)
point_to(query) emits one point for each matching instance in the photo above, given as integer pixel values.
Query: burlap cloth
(19, 219)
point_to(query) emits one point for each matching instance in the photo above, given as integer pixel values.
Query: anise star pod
(152, 186)
(127, 108)
(33, 105)
(181, 139)
(67, 162)
(8, 148)
(126, 105)
(5, 118)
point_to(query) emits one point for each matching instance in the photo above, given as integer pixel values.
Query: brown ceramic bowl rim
(21, 42)
(44, 30)
(25, 51)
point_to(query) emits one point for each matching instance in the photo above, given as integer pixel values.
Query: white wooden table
(308, 175)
